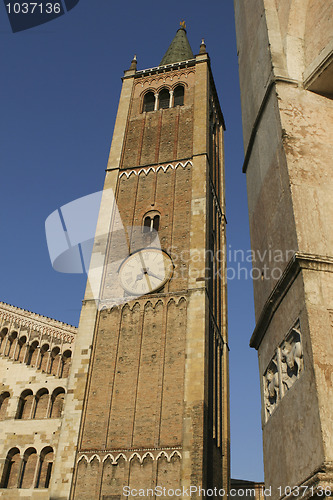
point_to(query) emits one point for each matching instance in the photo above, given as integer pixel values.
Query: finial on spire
(133, 63)
(202, 47)
(182, 25)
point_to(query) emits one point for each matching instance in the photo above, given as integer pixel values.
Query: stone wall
(35, 356)
(285, 57)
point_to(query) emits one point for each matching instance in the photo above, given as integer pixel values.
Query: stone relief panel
(271, 386)
(291, 358)
(283, 370)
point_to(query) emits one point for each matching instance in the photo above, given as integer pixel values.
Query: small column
(38, 357)
(59, 364)
(6, 343)
(171, 99)
(33, 408)
(27, 346)
(20, 473)
(38, 465)
(15, 348)
(156, 102)
(2, 466)
(49, 407)
(48, 362)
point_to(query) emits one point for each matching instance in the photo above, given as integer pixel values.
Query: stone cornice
(297, 262)
(164, 69)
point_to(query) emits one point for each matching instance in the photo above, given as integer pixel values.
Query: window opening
(178, 96)
(151, 223)
(163, 99)
(149, 102)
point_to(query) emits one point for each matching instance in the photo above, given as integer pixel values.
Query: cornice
(298, 262)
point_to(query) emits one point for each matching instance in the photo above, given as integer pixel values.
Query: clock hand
(154, 275)
(145, 272)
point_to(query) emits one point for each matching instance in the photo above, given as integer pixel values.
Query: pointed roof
(179, 49)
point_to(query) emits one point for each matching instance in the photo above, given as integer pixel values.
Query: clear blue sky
(60, 87)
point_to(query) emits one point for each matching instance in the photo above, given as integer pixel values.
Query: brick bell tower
(148, 403)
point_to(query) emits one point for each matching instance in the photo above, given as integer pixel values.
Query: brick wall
(163, 135)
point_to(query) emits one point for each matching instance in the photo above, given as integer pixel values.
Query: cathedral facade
(35, 360)
(145, 392)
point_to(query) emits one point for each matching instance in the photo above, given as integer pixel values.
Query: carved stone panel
(291, 358)
(283, 370)
(271, 386)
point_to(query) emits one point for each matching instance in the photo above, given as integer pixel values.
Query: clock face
(145, 271)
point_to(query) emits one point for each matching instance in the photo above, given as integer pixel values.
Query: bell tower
(148, 404)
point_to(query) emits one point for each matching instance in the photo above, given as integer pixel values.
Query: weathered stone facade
(286, 59)
(35, 358)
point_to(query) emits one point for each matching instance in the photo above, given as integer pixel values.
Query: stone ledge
(297, 262)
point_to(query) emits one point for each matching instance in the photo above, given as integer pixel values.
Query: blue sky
(59, 94)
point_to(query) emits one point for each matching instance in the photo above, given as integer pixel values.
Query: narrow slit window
(156, 222)
(147, 225)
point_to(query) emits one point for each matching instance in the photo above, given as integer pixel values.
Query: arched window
(178, 96)
(10, 345)
(25, 405)
(65, 363)
(11, 469)
(4, 400)
(44, 357)
(148, 102)
(45, 468)
(57, 402)
(151, 221)
(3, 335)
(54, 362)
(28, 469)
(42, 404)
(19, 355)
(32, 354)
(163, 99)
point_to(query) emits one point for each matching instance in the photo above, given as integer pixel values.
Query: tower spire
(179, 49)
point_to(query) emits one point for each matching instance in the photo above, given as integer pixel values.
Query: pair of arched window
(42, 405)
(151, 222)
(164, 99)
(29, 471)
